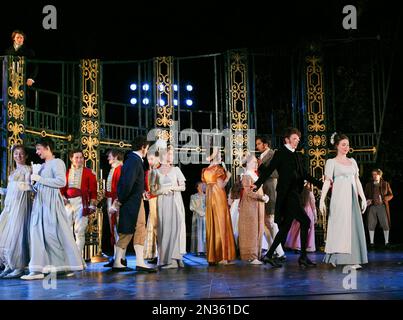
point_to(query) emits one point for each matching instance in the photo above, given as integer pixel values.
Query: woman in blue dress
(52, 245)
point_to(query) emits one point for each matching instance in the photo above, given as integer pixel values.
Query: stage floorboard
(382, 278)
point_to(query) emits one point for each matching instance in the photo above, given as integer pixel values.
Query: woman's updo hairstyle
(336, 138)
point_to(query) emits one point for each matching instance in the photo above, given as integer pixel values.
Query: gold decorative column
(163, 73)
(14, 81)
(315, 126)
(89, 140)
(237, 77)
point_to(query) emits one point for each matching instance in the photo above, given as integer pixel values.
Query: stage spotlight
(189, 87)
(162, 102)
(133, 86)
(146, 101)
(175, 87)
(175, 102)
(161, 87)
(133, 101)
(146, 87)
(189, 102)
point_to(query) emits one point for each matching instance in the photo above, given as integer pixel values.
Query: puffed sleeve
(329, 169)
(356, 167)
(221, 173)
(202, 176)
(179, 175)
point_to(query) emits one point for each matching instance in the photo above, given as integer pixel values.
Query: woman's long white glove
(178, 188)
(325, 190)
(361, 194)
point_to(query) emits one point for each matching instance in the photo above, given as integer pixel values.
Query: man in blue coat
(131, 212)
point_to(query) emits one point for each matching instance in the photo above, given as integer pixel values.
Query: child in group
(293, 239)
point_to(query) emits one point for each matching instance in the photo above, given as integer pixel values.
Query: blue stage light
(161, 87)
(175, 102)
(175, 87)
(146, 101)
(133, 101)
(162, 102)
(146, 87)
(133, 86)
(189, 87)
(189, 102)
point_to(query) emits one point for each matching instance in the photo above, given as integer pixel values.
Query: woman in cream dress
(167, 183)
(14, 220)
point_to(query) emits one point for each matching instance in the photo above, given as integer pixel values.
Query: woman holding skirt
(52, 245)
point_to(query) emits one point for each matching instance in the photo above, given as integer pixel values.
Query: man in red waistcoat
(80, 196)
(115, 159)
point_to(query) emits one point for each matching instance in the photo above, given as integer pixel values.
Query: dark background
(142, 29)
(118, 30)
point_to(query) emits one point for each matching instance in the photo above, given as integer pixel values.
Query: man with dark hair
(291, 178)
(378, 194)
(131, 207)
(115, 159)
(19, 49)
(269, 187)
(80, 196)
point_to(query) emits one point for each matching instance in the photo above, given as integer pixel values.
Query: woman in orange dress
(219, 235)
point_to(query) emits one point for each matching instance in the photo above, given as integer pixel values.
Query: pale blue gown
(52, 244)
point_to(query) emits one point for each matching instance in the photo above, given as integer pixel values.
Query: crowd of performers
(270, 205)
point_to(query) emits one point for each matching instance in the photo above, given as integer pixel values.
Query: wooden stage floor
(382, 278)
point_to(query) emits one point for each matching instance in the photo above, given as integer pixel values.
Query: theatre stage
(382, 278)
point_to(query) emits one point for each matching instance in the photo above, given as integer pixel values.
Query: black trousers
(292, 209)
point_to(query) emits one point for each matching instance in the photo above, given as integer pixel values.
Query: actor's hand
(266, 198)
(36, 167)
(363, 206)
(369, 202)
(35, 177)
(322, 207)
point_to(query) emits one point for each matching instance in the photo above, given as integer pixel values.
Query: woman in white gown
(14, 220)
(198, 207)
(52, 245)
(345, 241)
(167, 183)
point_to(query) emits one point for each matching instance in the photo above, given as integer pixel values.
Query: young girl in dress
(198, 207)
(251, 215)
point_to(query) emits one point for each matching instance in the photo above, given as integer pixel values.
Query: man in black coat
(131, 213)
(292, 174)
(18, 48)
